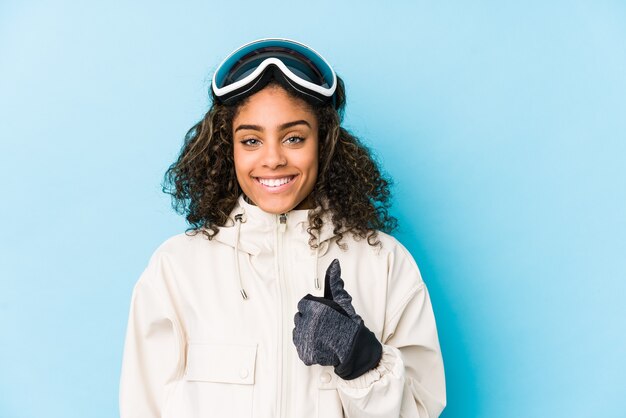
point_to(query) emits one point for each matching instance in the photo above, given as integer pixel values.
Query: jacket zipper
(285, 358)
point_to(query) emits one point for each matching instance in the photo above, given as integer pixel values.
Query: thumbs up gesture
(329, 332)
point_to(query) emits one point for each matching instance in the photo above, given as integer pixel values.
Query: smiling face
(276, 150)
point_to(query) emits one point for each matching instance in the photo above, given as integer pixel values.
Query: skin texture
(275, 136)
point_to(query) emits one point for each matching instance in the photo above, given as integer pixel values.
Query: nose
(274, 156)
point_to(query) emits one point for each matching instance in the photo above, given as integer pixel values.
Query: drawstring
(317, 256)
(320, 251)
(239, 221)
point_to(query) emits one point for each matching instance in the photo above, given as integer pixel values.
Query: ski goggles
(247, 70)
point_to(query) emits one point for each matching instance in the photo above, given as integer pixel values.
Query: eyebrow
(280, 127)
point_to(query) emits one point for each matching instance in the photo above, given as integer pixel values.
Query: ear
(333, 272)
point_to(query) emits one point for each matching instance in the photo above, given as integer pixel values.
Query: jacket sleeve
(409, 380)
(152, 351)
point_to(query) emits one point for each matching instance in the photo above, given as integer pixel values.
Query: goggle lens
(294, 64)
(297, 63)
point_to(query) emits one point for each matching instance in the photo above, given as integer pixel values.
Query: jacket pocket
(328, 403)
(219, 379)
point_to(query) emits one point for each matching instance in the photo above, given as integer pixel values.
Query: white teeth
(274, 182)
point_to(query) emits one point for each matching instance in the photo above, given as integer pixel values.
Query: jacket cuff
(390, 366)
(364, 355)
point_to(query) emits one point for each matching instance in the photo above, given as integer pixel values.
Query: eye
(250, 142)
(294, 140)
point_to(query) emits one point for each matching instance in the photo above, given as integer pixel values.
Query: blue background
(503, 124)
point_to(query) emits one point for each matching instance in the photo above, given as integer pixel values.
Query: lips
(274, 182)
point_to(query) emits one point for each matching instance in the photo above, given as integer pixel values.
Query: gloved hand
(329, 332)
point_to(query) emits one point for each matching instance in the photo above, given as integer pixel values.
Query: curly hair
(350, 190)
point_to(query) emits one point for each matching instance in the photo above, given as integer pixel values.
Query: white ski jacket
(210, 326)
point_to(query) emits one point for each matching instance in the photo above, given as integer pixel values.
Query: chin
(276, 209)
(277, 205)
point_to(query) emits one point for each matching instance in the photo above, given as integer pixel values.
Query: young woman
(285, 297)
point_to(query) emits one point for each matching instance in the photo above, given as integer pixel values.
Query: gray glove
(329, 332)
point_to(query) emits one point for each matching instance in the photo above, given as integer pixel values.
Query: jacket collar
(257, 224)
